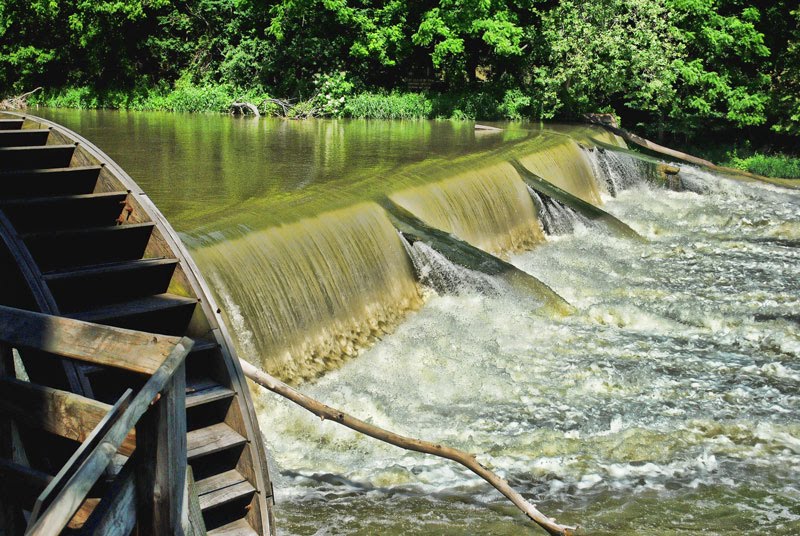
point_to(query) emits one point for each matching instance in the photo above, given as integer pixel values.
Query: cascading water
(555, 217)
(316, 291)
(662, 396)
(617, 171)
(490, 208)
(567, 166)
(443, 276)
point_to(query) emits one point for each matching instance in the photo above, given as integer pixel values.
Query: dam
(662, 398)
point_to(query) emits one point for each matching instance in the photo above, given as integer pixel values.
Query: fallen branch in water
(20, 102)
(241, 108)
(467, 460)
(652, 146)
(284, 104)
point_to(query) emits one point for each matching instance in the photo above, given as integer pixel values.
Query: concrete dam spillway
(420, 280)
(306, 295)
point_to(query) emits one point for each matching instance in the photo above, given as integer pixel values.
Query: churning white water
(669, 404)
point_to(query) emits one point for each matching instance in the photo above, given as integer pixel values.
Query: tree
(786, 82)
(604, 55)
(720, 78)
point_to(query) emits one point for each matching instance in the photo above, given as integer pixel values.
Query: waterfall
(616, 170)
(566, 165)
(489, 207)
(556, 218)
(446, 277)
(305, 296)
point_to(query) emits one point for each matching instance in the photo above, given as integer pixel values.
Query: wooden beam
(10, 451)
(59, 502)
(116, 513)
(135, 351)
(161, 454)
(192, 518)
(55, 411)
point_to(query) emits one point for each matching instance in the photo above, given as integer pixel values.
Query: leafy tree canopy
(677, 65)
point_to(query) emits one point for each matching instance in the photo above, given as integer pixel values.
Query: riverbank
(332, 100)
(337, 99)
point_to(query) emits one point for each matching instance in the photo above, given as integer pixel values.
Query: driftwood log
(241, 108)
(20, 102)
(467, 460)
(598, 119)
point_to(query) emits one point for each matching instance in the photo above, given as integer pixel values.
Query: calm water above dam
(669, 403)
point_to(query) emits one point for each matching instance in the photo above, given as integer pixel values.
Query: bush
(388, 106)
(515, 105)
(467, 105)
(331, 92)
(184, 97)
(187, 97)
(776, 165)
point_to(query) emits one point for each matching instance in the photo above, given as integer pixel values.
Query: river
(667, 404)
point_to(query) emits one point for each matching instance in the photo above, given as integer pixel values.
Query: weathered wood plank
(116, 513)
(161, 456)
(52, 181)
(198, 393)
(84, 512)
(217, 482)
(212, 439)
(241, 490)
(11, 511)
(30, 214)
(100, 345)
(11, 124)
(240, 527)
(70, 486)
(193, 523)
(62, 249)
(47, 156)
(28, 137)
(65, 494)
(166, 314)
(52, 410)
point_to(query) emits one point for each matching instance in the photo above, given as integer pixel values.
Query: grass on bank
(770, 165)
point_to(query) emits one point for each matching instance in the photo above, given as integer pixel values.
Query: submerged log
(467, 460)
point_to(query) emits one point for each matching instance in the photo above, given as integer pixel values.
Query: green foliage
(719, 76)
(786, 98)
(595, 54)
(676, 66)
(389, 106)
(184, 97)
(515, 105)
(331, 91)
(776, 165)
(463, 33)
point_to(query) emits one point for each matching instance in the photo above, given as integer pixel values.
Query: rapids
(666, 404)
